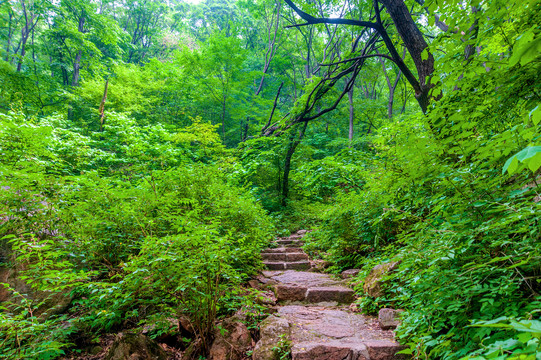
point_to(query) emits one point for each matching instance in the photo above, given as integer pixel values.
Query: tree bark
(351, 114)
(102, 105)
(417, 47)
(77, 62)
(287, 164)
(408, 31)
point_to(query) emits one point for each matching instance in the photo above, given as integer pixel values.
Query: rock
(346, 274)
(389, 318)
(328, 351)
(266, 298)
(290, 292)
(296, 256)
(298, 265)
(232, 340)
(271, 330)
(274, 256)
(319, 265)
(323, 294)
(254, 284)
(384, 349)
(135, 347)
(95, 350)
(329, 334)
(50, 303)
(185, 325)
(272, 265)
(165, 330)
(374, 280)
(302, 232)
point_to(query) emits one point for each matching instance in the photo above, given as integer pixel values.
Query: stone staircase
(287, 256)
(314, 312)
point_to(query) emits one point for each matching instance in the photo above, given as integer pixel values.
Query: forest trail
(314, 316)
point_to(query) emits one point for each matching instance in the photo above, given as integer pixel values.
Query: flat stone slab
(294, 256)
(298, 265)
(302, 278)
(308, 286)
(329, 334)
(274, 265)
(290, 265)
(284, 256)
(289, 243)
(274, 256)
(290, 292)
(328, 351)
(339, 294)
(346, 274)
(282, 250)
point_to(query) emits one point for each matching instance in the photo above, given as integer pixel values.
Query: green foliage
(282, 350)
(530, 157)
(122, 212)
(146, 215)
(27, 336)
(524, 343)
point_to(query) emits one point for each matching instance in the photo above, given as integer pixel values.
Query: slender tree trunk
(223, 118)
(10, 33)
(77, 62)
(102, 105)
(351, 114)
(271, 47)
(24, 38)
(287, 164)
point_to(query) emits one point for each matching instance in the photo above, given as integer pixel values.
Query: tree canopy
(150, 149)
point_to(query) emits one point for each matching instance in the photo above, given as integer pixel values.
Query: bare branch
(313, 20)
(273, 108)
(359, 58)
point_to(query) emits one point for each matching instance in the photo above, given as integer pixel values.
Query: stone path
(314, 314)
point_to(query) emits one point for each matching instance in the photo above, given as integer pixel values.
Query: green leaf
(525, 49)
(424, 54)
(530, 156)
(510, 165)
(535, 162)
(535, 115)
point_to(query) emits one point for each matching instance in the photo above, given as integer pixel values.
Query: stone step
(326, 334)
(365, 350)
(289, 256)
(339, 294)
(293, 265)
(282, 250)
(289, 243)
(295, 236)
(298, 265)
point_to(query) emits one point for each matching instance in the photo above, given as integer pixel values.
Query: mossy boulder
(376, 278)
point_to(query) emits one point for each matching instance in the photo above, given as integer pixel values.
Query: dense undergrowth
(130, 239)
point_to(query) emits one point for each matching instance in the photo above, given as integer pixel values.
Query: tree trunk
(10, 34)
(223, 118)
(102, 105)
(77, 62)
(351, 114)
(287, 164)
(416, 45)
